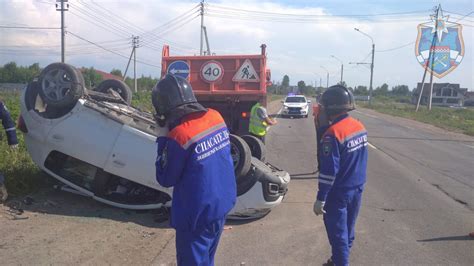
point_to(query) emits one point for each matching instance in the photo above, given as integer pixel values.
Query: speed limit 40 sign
(212, 71)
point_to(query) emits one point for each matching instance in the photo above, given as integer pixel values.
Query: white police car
(100, 147)
(295, 105)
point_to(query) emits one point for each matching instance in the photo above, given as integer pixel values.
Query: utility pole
(371, 65)
(430, 59)
(327, 77)
(202, 26)
(371, 74)
(135, 42)
(433, 51)
(62, 8)
(342, 67)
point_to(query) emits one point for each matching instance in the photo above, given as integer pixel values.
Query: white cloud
(296, 49)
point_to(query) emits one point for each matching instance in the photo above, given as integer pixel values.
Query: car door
(133, 157)
(86, 135)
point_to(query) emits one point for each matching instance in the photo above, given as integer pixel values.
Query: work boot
(3, 193)
(329, 263)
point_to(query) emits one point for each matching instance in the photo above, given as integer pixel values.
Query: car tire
(241, 156)
(60, 85)
(117, 85)
(257, 147)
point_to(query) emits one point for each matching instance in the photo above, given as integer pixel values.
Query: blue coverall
(342, 176)
(195, 159)
(10, 130)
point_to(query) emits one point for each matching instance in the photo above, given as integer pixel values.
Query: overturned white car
(99, 146)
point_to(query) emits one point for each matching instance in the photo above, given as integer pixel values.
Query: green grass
(459, 120)
(22, 175)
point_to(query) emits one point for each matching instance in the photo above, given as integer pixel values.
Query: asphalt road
(417, 209)
(417, 206)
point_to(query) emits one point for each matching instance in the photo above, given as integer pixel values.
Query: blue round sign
(179, 68)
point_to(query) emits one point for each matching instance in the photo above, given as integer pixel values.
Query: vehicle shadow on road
(448, 238)
(56, 202)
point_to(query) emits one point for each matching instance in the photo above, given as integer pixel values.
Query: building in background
(444, 94)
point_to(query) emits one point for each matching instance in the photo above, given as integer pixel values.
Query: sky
(298, 44)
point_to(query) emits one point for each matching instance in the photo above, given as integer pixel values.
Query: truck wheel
(117, 85)
(257, 147)
(241, 156)
(61, 85)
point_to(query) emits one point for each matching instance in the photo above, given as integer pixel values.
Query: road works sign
(448, 49)
(179, 68)
(246, 73)
(212, 71)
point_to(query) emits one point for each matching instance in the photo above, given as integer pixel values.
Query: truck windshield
(295, 100)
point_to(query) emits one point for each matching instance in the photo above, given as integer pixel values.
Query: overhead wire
(313, 15)
(131, 28)
(395, 48)
(28, 27)
(241, 14)
(111, 51)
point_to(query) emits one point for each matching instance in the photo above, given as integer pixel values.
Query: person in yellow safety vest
(260, 121)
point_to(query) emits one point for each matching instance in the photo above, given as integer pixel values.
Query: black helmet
(171, 92)
(337, 99)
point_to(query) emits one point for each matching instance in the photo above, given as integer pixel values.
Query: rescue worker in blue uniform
(12, 140)
(194, 158)
(342, 174)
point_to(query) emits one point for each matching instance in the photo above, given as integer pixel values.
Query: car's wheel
(118, 86)
(257, 147)
(61, 85)
(241, 156)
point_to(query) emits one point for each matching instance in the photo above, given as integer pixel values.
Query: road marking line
(372, 146)
(472, 147)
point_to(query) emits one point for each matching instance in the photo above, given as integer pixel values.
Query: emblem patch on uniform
(327, 148)
(164, 157)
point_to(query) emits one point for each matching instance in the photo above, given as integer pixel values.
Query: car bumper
(267, 193)
(294, 113)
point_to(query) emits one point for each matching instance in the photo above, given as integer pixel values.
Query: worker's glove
(14, 146)
(318, 207)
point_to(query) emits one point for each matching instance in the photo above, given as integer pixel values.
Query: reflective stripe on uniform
(10, 129)
(330, 177)
(203, 134)
(326, 182)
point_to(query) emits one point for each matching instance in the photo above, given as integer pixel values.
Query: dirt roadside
(62, 228)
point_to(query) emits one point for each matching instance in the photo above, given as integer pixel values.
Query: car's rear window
(295, 100)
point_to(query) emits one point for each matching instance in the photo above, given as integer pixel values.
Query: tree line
(12, 73)
(284, 88)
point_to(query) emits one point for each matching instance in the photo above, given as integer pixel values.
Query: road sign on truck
(231, 84)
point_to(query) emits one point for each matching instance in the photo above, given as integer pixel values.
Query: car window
(295, 100)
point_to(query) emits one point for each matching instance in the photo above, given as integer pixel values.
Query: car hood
(295, 104)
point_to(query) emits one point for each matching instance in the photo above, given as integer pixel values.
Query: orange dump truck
(230, 84)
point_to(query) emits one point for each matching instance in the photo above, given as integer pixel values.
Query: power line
(311, 15)
(113, 52)
(395, 48)
(118, 23)
(29, 27)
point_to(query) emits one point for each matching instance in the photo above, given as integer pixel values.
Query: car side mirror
(309, 101)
